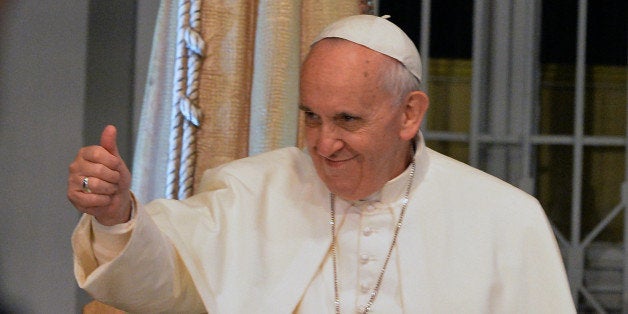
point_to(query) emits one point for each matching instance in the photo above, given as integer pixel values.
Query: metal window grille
(505, 138)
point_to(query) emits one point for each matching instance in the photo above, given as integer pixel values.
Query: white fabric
(109, 241)
(256, 240)
(365, 230)
(151, 149)
(364, 236)
(378, 34)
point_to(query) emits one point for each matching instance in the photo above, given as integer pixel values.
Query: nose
(329, 142)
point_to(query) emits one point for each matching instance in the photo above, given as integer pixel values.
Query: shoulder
(453, 175)
(473, 204)
(461, 193)
(278, 165)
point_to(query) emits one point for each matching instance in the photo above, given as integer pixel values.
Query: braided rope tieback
(186, 115)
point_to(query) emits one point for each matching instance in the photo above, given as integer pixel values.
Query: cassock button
(370, 208)
(367, 231)
(364, 258)
(364, 288)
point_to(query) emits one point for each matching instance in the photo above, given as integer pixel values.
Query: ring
(86, 185)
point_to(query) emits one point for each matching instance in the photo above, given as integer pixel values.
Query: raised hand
(99, 181)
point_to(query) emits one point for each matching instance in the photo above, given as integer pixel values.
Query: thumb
(108, 140)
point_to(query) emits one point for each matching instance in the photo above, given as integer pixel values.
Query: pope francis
(367, 219)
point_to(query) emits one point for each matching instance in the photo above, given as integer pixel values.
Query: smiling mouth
(338, 162)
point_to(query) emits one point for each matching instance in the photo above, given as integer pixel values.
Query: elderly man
(366, 219)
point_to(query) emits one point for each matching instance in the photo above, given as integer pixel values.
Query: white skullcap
(379, 34)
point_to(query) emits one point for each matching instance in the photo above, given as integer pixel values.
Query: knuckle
(94, 184)
(70, 196)
(96, 153)
(92, 153)
(85, 153)
(116, 177)
(81, 152)
(99, 170)
(73, 167)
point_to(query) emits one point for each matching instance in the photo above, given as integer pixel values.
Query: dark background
(452, 19)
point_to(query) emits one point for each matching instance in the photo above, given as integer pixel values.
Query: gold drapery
(248, 70)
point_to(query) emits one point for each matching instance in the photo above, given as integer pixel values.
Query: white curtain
(151, 149)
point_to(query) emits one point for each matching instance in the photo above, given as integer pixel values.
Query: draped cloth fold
(151, 148)
(248, 83)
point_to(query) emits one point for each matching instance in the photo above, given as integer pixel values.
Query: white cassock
(256, 239)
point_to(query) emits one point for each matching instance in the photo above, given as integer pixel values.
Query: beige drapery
(248, 82)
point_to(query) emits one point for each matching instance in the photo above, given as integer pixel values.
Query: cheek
(371, 139)
(311, 137)
(377, 149)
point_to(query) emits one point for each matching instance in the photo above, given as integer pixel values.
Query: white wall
(43, 62)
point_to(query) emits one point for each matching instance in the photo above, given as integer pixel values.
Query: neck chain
(334, 245)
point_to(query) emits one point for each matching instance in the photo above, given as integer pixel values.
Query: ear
(415, 107)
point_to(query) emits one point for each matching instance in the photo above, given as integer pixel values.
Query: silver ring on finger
(85, 186)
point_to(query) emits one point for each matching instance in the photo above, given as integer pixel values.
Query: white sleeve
(147, 275)
(109, 241)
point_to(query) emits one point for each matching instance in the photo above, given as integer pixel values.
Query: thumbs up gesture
(99, 181)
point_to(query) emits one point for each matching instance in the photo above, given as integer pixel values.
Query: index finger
(99, 155)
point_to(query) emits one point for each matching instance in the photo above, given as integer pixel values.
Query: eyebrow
(337, 115)
(345, 114)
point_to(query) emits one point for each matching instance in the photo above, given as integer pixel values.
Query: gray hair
(398, 81)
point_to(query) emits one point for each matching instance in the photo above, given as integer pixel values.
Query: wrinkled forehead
(339, 58)
(341, 50)
(341, 74)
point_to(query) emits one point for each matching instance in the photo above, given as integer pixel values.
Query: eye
(348, 121)
(348, 118)
(309, 115)
(311, 119)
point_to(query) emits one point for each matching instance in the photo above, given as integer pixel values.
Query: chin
(338, 189)
(346, 192)
(338, 183)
